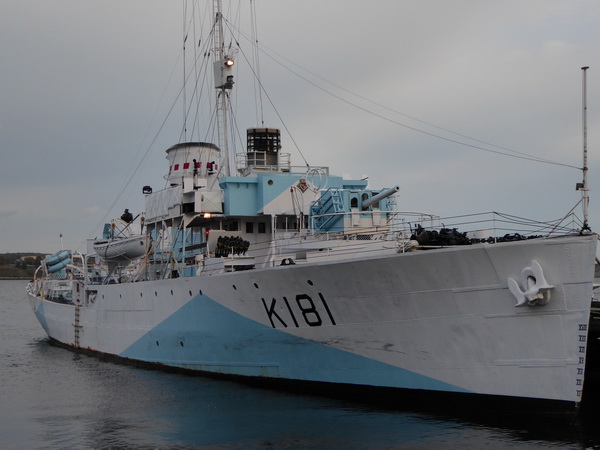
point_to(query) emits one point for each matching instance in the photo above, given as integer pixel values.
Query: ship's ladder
(76, 325)
(329, 207)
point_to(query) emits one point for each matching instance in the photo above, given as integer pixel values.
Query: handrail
(490, 223)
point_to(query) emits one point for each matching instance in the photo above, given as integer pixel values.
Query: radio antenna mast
(583, 187)
(223, 70)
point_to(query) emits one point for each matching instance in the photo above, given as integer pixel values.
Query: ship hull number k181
(284, 312)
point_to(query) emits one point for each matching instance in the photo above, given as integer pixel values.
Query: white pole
(585, 190)
(222, 107)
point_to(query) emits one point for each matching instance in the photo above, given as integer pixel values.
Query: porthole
(181, 343)
(157, 343)
(270, 182)
(310, 282)
(190, 293)
(256, 285)
(141, 294)
(200, 291)
(171, 291)
(155, 294)
(234, 288)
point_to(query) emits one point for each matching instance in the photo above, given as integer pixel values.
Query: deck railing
(476, 226)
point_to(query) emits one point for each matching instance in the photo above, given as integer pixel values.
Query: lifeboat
(128, 248)
(120, 243)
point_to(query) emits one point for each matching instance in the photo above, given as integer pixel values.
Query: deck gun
(383, 194)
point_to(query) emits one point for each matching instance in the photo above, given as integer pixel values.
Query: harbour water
(54, 398)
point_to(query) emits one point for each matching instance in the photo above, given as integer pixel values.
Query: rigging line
(454, 141)
(416, 119)
(513, 218)
(134, 172)
(524, 221)
(202, 88)
(256, 62)
(518, 155)
(206, 56)
(174, 103)
(235, 127)
(185, 36)
(566, 215)
(202, 50)
(234, 130)
(254, 40)
(128, 182)
(407, 115)
(195, 91)
(215, 129)
(226, 159)
(188, 27)
(236, 17)
(270, 101)
(509, 218)
(203, 69)
(209, 135)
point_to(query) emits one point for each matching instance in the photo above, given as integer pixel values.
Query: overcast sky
(85, 87)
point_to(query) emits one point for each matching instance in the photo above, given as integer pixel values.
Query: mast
(223, 71)
(584, 186)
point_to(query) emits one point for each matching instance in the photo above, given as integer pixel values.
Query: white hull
(441, 320)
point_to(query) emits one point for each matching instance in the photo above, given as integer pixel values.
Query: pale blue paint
(40, 313)
(247, 196)
(240, 197)
(204, 335)
(271, 186)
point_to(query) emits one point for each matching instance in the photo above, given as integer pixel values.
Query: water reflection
(106, 405)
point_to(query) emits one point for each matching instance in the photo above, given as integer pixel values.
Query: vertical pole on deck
(584, 188)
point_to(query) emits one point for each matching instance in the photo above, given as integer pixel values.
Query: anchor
(537, 291)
